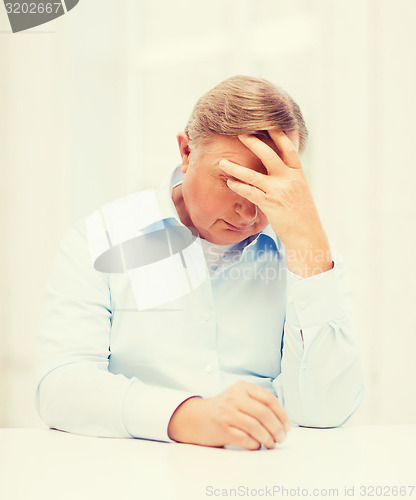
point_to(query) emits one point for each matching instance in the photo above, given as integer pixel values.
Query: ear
(183, 143)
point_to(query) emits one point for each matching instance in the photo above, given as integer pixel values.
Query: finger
(287, 148)
(255, 426)
(270, 159)
(237, 437)
(244, 174)
(251, 193)
(272, 402)
(266, 417)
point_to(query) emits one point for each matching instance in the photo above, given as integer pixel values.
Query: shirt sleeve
(321, 383)
(75, 390)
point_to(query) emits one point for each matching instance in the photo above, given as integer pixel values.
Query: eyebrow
(228, 176)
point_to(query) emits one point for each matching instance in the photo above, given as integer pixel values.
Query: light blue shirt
(128, 335)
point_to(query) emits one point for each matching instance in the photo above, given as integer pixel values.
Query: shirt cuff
(315, 300)
(147, 410)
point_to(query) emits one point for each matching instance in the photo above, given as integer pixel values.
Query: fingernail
(281, 436)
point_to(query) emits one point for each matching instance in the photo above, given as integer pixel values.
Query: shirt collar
(269, 233)
(164, 195)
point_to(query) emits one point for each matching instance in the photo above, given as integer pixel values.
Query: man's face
(206, 202)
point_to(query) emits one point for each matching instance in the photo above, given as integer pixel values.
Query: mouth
(240, 229)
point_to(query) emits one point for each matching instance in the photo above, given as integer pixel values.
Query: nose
(246, 210)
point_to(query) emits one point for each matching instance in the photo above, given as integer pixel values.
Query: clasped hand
(243, 415)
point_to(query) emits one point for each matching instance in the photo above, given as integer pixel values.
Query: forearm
(85, 398)
(307, 250)
(321, 380)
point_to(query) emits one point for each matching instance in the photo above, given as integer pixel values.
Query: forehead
(229, 148)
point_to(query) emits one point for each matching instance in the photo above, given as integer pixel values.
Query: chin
(228, 237)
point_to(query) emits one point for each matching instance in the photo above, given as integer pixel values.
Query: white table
(46, 464)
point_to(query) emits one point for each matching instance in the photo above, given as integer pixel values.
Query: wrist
(309, 256)
(184, 421)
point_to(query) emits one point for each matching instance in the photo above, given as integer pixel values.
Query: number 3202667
(33, 8)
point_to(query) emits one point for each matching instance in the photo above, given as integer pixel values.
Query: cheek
(211, 202)
(219, 205)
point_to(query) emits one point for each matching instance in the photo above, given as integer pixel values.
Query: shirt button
(208, 368)
(303, 305)
(303, 366)
(289, 299)
(207, 316)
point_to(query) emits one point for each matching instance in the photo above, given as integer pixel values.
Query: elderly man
(209, 311)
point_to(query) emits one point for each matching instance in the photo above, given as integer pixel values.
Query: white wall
(90, 105)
